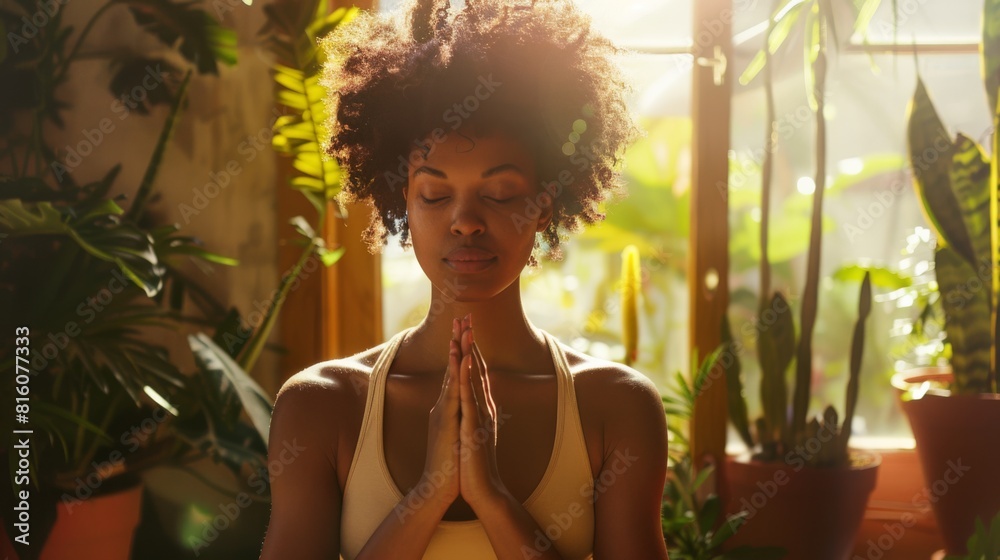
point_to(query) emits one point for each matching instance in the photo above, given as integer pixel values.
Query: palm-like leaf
(203, 41)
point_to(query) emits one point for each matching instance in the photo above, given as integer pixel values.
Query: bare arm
(514, 533)
(305, 494)
(627, 508)
(405, 533)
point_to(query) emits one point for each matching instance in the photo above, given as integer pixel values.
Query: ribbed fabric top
(562, 503)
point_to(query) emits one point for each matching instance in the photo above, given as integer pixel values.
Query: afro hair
(533, 69)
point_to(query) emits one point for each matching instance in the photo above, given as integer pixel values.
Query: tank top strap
(573, 439)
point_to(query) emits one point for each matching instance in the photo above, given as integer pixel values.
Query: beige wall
(223, 111)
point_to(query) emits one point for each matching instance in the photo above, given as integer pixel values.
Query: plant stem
(803, 365)
(256, 343)
(146, 187)
(79, 40)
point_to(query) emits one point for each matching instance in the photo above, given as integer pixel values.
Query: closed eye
(432, 200)
(500, 200)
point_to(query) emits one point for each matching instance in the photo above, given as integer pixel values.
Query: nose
(466, 218)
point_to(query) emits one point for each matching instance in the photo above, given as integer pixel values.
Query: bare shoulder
(597, 376)
(329, 392)
(612, 391)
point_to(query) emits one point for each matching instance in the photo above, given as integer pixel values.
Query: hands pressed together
(461, 436)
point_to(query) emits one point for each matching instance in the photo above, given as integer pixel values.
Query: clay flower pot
(812, 512)
(958, 442)
(98, 528)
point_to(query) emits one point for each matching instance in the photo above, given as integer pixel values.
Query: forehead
(463, 149)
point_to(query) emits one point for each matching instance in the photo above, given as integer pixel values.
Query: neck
(504, 335)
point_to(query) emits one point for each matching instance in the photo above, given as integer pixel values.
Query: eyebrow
(488, 173)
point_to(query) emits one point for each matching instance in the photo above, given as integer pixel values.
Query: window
(577, 299)
(870, 206)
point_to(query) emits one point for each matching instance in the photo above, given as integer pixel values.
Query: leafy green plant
(956, 182)
(984, 544)
(777, 346)
(691, 517)
(98, 287)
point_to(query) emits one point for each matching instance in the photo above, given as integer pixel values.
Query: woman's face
(473, 209)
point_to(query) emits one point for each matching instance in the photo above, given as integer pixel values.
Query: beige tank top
(562, 504)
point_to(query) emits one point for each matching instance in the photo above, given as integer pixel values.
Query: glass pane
(577, 299)
(870, 208)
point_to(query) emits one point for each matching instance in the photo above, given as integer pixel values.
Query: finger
(449, 388)
(487, 407)
(485, 375)
(467, 396)
(466, 341)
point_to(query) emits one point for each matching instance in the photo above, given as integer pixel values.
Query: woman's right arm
(305, 494)
(405, 533)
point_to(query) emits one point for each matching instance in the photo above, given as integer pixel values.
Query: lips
(469, 254)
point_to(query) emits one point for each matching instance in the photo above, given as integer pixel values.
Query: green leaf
(930, 150)
(990, 51)
(330, 257)
(776, 345)
(881, 277)
(230, 377)
(727, 529)
(734, 386)
(785, 17)
(203, 41)
(969, 177)
(967, 320)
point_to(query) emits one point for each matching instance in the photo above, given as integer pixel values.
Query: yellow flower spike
(630, 286)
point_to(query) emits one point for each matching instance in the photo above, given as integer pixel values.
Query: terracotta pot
(958, 442)
(98, 528)
(813, 513)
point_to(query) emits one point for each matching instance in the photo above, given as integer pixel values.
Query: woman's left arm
(629, 489)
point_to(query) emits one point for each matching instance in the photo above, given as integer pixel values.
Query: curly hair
(533, 69)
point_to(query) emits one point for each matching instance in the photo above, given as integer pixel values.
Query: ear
(405, 191)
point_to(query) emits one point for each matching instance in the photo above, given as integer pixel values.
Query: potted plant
(801, 485)
(950, 408)
(93, 287)
(690, 515)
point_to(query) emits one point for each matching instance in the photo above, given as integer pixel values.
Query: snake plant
(774, 434)
(956, 182)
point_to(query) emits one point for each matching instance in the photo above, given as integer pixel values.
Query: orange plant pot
(958, 442)
(98, 528)
(813, 513)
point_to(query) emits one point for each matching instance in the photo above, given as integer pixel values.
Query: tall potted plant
(954, 411)
(91, 286)
(802, 486)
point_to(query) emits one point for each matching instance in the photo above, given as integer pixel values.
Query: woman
(478, 136)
